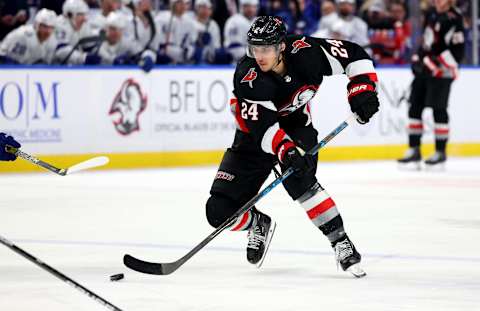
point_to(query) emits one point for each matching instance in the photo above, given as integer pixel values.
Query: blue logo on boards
(30, 110)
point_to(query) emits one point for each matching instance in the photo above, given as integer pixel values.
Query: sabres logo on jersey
(299, 44)
(249, 77)
(300, 98)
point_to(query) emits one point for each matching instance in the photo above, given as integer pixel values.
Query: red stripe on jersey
(236, 110)
(277, 139)
(321, 208)
(371, 75)
(242, 222)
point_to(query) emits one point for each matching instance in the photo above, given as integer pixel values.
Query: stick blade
(148, 267)
(85, 165)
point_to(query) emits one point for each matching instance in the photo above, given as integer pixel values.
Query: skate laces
(255, 237)
(343, 250)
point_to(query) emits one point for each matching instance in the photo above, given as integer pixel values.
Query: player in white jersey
(236, 28)
(176, 34)
(72, 27)
(72, 24)
(140, 22)
(98, 18)
(208, 32)
(118, 50)
(31, 44)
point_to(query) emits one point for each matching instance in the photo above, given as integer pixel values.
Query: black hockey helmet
(267, 30)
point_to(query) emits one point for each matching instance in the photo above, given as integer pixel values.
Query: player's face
(266, 56)
(44, 32)
(79, 20)
(180, 7)
(204, 11)
(114, 35)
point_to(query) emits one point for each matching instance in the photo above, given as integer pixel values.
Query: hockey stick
(94, 162)
(58, 274)
(167, 268)
(87, 40)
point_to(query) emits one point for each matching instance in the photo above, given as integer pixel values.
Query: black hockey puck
(116, 277)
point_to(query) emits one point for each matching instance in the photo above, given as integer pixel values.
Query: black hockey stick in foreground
(94, 162)
(167, 268)
(58, 274)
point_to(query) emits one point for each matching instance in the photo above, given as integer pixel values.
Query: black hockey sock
(334, 230)
(441, 145)
(414, 141)
(415, 130)
(441, 136)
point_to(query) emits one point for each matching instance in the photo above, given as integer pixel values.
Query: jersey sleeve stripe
(448, 60)
(360, 67)
(335, 65)
(272, 138)
(238, 118)
(268, 138)
(265, 103)
(279, 136)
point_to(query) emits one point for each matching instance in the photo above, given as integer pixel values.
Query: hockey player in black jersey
(273, 86)
(435, 66)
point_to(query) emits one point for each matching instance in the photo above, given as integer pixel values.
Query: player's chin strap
(279, 59)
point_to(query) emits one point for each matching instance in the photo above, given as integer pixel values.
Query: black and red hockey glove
(291, 156)
(362, 97)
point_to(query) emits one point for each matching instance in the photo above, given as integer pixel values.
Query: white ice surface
(418, 232)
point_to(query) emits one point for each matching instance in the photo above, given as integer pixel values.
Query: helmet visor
(254, 51)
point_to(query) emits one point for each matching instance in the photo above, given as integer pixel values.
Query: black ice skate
(348, 257)
(259, 238)
(436, 161)
(411, 160)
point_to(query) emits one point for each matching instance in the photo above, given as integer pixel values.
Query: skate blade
(267, 243)
(356, 270)
(410, 167)
(435, 167)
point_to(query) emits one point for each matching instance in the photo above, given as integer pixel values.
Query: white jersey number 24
(249, 113)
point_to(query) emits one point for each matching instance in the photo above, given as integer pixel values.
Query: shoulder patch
(299, 44)
(249, 77)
